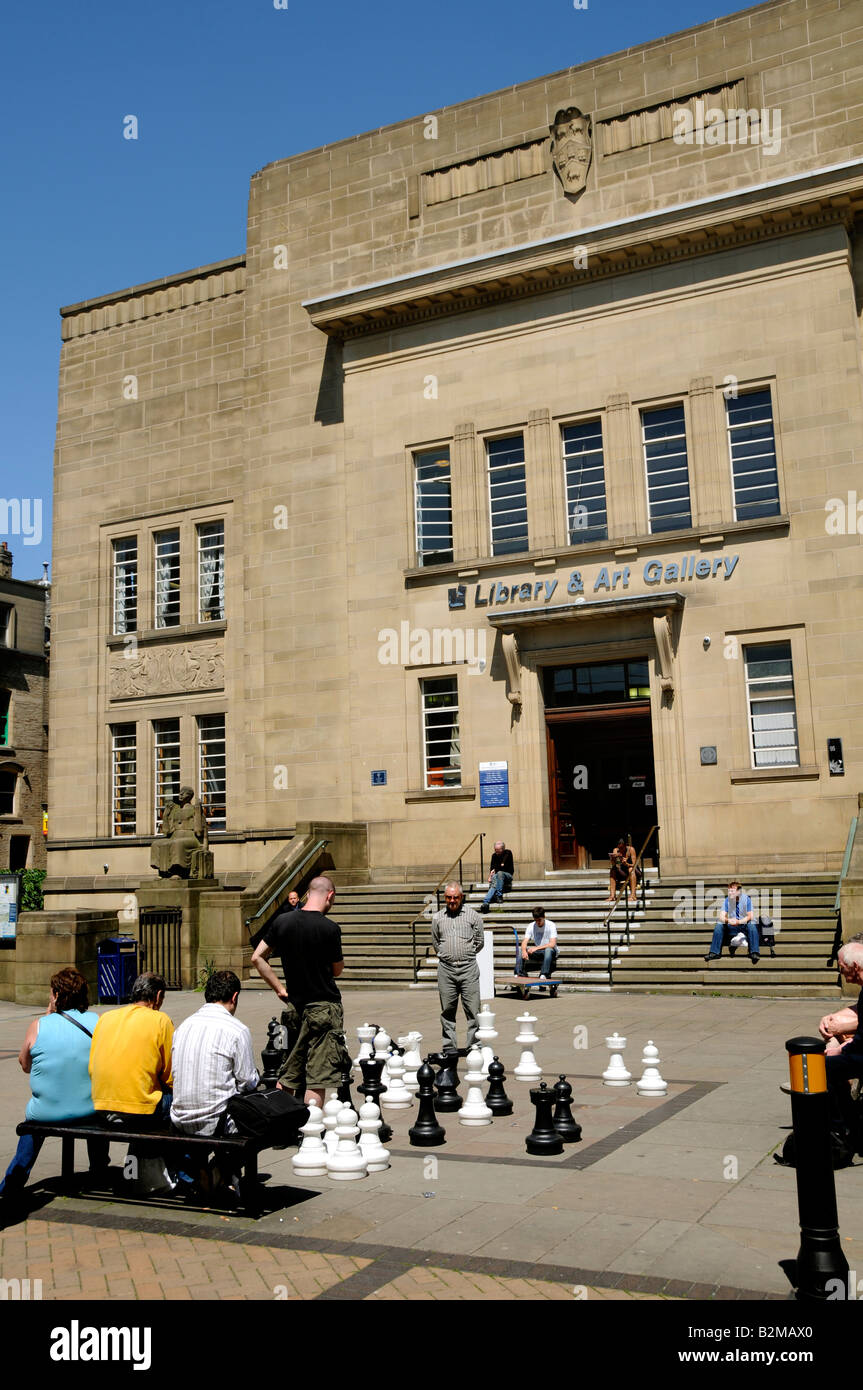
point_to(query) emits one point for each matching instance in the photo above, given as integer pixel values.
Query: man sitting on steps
(735, 915)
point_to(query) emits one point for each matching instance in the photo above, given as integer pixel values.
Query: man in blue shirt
(735, 915)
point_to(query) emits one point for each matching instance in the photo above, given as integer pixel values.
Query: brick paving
(448, 1284)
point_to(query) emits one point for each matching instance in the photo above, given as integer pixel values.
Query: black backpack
(271, 1117)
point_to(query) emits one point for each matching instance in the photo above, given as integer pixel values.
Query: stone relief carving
(571, 148)
(199, 667)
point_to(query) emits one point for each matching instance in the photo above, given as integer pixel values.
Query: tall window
(772, 712)
(124, 780)
(5, 624)
(126, 584)
(8, 781)
(752, 449)
(584, 473)
(442, 745)
(212, 768)
(507, 488)
(166, 779)
(663, 434)
(433, 498)
(167, 555)
(211, 571)
(5, 697)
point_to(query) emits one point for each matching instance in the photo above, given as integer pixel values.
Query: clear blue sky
(220, 88)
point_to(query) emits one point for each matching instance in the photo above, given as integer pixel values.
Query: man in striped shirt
(212, 1060)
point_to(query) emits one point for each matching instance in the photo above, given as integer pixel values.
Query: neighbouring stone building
(23, 718)
(506, 482)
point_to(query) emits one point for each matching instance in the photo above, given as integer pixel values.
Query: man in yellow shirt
(130, 1059)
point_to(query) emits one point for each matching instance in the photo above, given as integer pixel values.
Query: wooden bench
(242, 1152)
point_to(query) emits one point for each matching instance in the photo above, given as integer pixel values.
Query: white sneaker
(543, 979)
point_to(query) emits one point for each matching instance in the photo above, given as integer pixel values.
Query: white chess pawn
(651, 1083)
(331, 1115)
(474, 1111)
(487, 1035)
(376, 1156)
(311, 1159)
(615, 1073)
(528, 1069)
(366, 1039)
(412, 1060)
(527, 1034)
(397, 1096)
(347, 1160)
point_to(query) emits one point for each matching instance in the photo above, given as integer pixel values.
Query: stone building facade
(23, 718)
(505, 483)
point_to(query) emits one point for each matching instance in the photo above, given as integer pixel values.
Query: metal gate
(160, 933)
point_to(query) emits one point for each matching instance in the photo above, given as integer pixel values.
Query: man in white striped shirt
(212, 1060)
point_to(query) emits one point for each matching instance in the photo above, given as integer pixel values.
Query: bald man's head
(322, 890)
(851, 955)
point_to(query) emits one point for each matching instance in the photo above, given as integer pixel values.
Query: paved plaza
(677, 1197)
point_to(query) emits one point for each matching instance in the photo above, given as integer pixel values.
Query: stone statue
(182, 849)
(571, 148)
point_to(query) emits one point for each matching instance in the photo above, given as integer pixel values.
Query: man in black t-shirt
(310, 948)
(501, 872)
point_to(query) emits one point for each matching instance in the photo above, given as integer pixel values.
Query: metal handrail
(294, 873)
(421, 916)
(837, 907)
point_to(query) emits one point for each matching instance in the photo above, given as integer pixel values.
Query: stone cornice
(156, 297)
(738, 218)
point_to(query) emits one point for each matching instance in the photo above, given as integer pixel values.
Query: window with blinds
(212, 769)
(773, 738)
(507, 490)
(584, 479)
(167, 578)
(125, 584)
(166, 778)
(663, 434)
(211, 571)
(124, 780)
(752, 451)
(433, 507)
(441, 741)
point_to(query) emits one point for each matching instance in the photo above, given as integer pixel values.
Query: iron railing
(160, 935)
(293, 875)
(837, 902)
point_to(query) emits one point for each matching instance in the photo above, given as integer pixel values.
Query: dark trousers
(29, 1147)
(842, 1069)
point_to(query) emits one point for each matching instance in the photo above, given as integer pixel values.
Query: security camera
(105, 867)
(706, 642)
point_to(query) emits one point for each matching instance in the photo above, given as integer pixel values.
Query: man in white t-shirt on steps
(539, 945)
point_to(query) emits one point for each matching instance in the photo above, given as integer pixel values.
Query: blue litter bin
(116, 968)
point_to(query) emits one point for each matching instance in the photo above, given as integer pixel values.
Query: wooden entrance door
(601, 781)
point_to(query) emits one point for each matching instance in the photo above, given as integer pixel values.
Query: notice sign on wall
(8, 906)
(494, 784)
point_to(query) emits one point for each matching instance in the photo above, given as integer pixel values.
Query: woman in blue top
(56, 1056)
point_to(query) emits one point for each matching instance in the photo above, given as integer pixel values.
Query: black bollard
(426, 1133)
(820, 1258)
(272, 1057)
(448, 1098)
(543, 1138)
(496, 1097)
(373, 1089)
(567, 1127)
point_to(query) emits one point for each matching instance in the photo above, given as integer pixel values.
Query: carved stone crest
(161, 671)
(571, 148)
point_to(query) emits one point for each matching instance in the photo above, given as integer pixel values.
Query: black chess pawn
(543, 1138)
(446, 1082)
(496, 1097)
(567, 1127)
(426, 1133)
(272, 1057)
(372, 1088)
(344, 1090)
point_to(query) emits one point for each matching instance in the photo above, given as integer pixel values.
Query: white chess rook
(376, 1156)
(615, 1073)
(474, 1111)
(347, 1161)
(311, 1159)
(366, 1035)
